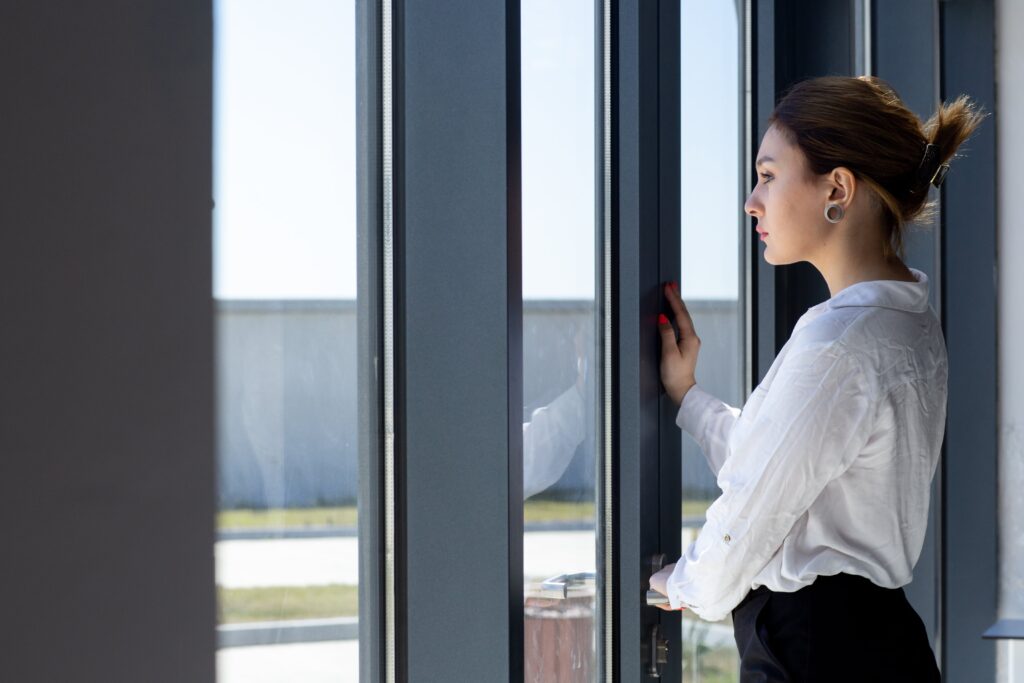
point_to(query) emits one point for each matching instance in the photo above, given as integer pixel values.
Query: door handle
(656, 598)
(653, 597)
(579, 584)
(657, 647)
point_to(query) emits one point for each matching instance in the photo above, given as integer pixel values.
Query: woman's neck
(845, 273)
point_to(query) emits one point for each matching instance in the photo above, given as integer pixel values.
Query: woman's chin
(773, 259)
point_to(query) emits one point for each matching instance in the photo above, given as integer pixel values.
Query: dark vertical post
(763, 276)
(669, 245)
(905, 43)
(637, 231)
(107, 472)
(370, 343)
(458, 347)
(970, 513)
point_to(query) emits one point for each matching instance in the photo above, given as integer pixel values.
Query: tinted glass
(711, 272)
(285, 297)
(560, 363)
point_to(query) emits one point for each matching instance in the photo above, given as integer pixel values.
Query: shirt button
(727, 538)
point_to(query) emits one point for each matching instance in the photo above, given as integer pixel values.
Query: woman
(826, 471)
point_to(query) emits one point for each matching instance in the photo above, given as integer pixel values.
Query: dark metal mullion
(970, 492)
(762, 274)
(514, 335)
(669, 247)
(458, 326)
(745, 162)
(905, 55)
(369, 342)
(607, 502)
(397, 628)
(638, 299)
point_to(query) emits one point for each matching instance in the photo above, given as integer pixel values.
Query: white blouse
(828, 466)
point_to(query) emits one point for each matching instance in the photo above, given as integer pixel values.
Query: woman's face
(788, 202)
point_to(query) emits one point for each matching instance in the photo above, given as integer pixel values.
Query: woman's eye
(766, 176)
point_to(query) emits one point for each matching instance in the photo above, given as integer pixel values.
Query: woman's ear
(842, 186)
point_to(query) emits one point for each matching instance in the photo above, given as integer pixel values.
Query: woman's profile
(825, 472)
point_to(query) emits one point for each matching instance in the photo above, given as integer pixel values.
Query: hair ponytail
(951, 125)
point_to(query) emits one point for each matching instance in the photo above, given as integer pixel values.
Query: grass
(557, 511)
(695, 508)
(238, 605)
(533, 511)
(287, 517)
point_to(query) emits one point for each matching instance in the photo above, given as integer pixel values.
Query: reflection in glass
(285, 295)
(711, 112)
(560, 442)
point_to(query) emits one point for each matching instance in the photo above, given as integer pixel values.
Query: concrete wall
(287, 396)
(286, 403)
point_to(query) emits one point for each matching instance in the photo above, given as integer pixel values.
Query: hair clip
(928, 160)
(940, 175)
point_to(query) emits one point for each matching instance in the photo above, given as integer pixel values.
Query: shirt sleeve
(550, 440)
(815, 418)
(709, 421)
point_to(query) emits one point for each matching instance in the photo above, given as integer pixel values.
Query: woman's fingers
(668, 336)
(668, 608)
(682, 316)
(678, 358)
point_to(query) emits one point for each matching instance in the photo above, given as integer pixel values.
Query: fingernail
(675, 285)
(662, 319)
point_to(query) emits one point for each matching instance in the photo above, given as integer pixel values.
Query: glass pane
(560, 439)
(285, 297)
(711, 277)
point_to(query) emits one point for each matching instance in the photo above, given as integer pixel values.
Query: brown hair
(861, 123)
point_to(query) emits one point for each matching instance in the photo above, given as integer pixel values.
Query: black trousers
(840, 628)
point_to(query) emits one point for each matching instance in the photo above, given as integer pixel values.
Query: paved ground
(313, 561)
(336, 662)
(317, 561)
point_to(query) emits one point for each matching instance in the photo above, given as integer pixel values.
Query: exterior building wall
(287, 411)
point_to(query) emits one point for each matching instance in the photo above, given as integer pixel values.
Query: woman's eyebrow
(763, 159)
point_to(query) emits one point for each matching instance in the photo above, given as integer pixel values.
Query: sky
(285, 146)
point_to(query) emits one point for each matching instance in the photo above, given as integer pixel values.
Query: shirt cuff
(692, 409)
(675, 598)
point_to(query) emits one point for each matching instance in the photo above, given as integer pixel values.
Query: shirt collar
(903, 296)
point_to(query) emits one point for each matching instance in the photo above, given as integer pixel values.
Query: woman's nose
(752, 207)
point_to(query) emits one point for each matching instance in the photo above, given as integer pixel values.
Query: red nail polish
(662, 319)
(675, 285)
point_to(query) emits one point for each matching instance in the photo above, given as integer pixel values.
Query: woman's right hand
(678, 358)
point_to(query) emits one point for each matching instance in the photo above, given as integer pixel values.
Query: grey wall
(286, 403)
(287, 395)
(106, 377)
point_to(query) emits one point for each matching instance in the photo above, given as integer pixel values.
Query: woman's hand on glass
(678, 357)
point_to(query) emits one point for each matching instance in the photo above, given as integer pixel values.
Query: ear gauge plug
(833, 212)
